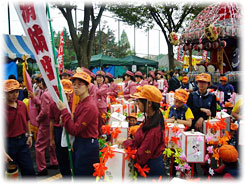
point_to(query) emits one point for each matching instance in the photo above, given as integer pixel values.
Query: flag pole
(59, 87)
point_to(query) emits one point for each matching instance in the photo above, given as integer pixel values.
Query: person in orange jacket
(149, 137)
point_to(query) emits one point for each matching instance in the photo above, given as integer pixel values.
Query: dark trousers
(86, 153)
(18, 150)
(61, 153)
(156, 168)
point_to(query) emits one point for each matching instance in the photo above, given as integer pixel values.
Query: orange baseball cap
(67, 85)
(203, 77)
(181, 95)
(185, 79)
(228, 153)
(132, 115)
(10, 85)
(82, 75)
(223, 78)
(150, 93)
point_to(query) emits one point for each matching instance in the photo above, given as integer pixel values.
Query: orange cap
(149, 92)
(228, 153)
(185, 79)
(182, 95)
(67, 85)
(203, 77)
(223, 78)
(228, 104)
(82, 75)
(10, 85)
(132, 115)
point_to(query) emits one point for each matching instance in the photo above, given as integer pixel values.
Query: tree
(169, 17)
(82, 43)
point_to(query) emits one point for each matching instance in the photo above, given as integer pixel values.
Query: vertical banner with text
(60, 55)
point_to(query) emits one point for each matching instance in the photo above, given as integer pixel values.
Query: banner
(35, 24)
(61, 53)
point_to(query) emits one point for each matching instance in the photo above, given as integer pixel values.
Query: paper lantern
(211, 32)
(222, 44)
(208, 46)
(173, 38)
(215, 45)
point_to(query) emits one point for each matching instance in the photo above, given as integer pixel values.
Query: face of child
(178, 103)
(202, 85)
(106, 80)
(99, 79)
(12, 96)
(138, 79)
(158, 76)
(132, 121)
(79, 87)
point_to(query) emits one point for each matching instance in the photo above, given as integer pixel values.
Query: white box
(122, 136)
(241, 130)
(220, 95)
(116, 117)
(193, 148)
(130, 107)
(227, 118)
(170, 98)
(116, 108)
(121, 86)
(169, 133)
(118, 167)
(210, 132)
(160, 84)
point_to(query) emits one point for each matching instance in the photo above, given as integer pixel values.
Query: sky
(156, 37)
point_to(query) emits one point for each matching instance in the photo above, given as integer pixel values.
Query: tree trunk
(170, 56)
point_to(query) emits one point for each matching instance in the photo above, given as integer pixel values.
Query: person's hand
(170, 120)
(207, 111)
(61, 105)
(198, 124)
(7, 157)
(60, 121)
(29, 141)
(30, 94)
(52, 143)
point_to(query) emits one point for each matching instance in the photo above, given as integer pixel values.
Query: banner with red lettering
(35, 24)
(61, 52)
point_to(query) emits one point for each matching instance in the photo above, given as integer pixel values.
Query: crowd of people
(87, 94)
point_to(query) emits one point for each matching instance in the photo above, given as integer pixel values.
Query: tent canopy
(100, 60)
(135, 60)
(15, 46)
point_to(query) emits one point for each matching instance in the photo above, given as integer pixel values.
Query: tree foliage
(83, 42)
(168, 16)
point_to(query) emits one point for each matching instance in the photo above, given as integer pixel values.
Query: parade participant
(227, 88)
(186, 85)
(43, 136)
(149, 138)
(101, 95)
(84, 126)
(173, 82)
(17, 143)
(56, 131)
(179, 112)
(132, 119)
(151, 79)
(201, 102)
(229, 165)
(139, 79)
(130, 85)
(237, 110)
(92, 88)
(113, 88)
(65, 75)
(160, 76)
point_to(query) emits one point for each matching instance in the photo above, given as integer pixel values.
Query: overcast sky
(59, 22)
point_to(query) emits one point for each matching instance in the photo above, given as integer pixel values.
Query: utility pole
(9, 20)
